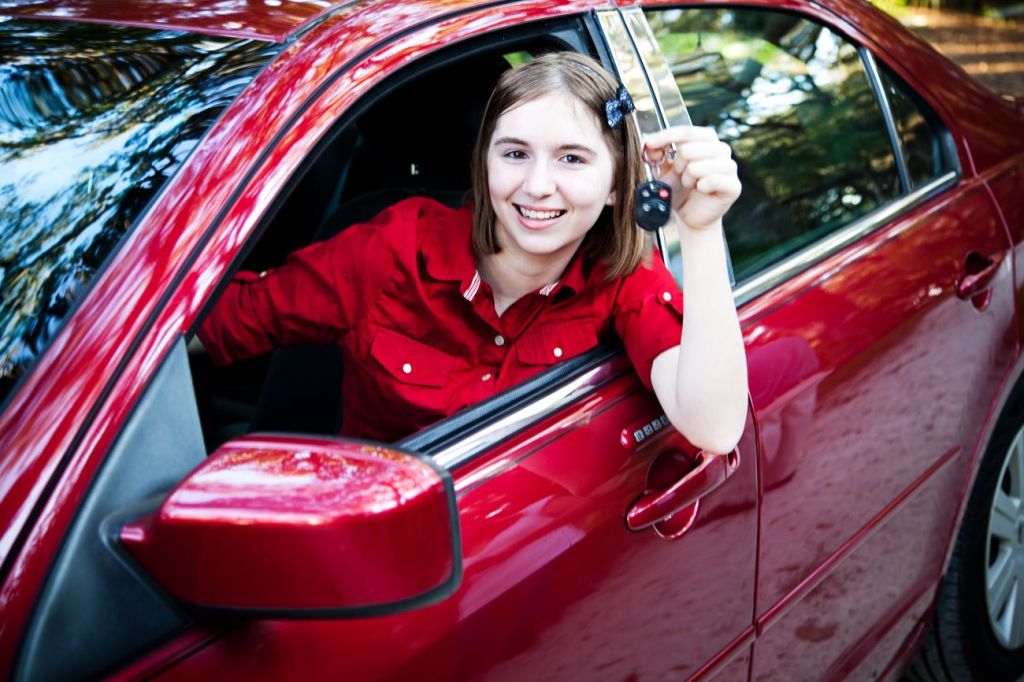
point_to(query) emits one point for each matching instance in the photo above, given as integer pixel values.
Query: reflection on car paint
(93, 121)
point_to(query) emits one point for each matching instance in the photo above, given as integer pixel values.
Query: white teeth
(538, 215)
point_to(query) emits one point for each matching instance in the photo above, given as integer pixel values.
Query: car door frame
(787, 274)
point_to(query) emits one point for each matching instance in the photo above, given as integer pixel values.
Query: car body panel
(554, 584)
(1006, 182)
(896, 370)
(814, 563)
(547, 554)
(236, 19)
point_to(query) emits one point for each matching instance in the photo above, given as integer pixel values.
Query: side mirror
(287, 526)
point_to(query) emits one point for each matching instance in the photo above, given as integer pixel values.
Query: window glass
(93, 122)
(794, 102)
(918, 131)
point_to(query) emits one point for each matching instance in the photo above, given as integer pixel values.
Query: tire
(964, 642)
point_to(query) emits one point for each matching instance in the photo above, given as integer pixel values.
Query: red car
(873, 508)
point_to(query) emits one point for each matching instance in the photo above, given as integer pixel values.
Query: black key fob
(653, 205)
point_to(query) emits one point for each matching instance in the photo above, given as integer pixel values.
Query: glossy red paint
(555, 585)
(710, 471)
(235, 18)
(803, 526)
(806, 570)
(910, 399)
(293, 524)
(1004, 183)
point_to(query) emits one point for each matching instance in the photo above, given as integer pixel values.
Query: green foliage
(903, 8)
(795, 104)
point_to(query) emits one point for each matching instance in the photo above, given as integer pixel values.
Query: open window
(412, 136)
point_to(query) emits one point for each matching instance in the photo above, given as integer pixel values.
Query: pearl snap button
(666, 296)
(499, 340)
(557, 352)
(407, 368)
(486, 377)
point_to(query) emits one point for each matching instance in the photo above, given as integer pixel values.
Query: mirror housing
(304, 527)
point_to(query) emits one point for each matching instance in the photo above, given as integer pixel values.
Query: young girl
(436, 308)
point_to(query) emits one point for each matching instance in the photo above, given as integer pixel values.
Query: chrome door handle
(980, 281)
(711, 472)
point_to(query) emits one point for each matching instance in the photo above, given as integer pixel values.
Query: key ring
(668, 156)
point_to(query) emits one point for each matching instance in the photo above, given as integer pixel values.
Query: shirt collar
(572, 280)
(447, 247)
(448, 255)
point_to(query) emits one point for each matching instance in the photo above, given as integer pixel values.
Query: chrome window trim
(813, 254)
(667, 98)
(635, 75)
(875, 80)
(479, 441)
(630, 69)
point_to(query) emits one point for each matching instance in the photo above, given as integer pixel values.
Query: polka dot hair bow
(616, 108)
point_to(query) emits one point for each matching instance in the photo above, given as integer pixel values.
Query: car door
(554, 582)
(870, 372)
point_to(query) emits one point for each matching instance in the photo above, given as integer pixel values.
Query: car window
(361, 169)
(93, 122)
(919, 130)
(794, 101)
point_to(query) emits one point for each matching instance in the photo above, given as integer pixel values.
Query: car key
(653, 205)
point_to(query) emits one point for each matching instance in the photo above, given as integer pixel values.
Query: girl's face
(550, 175)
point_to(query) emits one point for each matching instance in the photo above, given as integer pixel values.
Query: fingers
(727, 186)
(688, 145)
(700, 166)
(690, 172)
(711, 176)
(678, 135)
(705, 167)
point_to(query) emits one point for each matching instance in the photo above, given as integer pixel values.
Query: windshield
(94, 120)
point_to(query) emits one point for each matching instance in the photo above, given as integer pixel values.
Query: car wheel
(978, 629)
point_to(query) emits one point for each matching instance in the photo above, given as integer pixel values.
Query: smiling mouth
(533, 214)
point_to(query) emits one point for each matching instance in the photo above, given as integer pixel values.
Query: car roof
(271, 20)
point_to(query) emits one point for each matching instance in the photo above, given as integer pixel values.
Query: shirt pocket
(554, 343)
(410, 361)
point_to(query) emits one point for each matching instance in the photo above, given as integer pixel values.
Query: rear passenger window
(793, 100)
(919, 131)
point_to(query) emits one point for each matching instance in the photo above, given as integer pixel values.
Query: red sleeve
(313, 298)
(648, 315)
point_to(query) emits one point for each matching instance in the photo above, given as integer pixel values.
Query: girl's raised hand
(702, 173)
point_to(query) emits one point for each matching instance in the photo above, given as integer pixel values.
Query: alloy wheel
(1004, 550)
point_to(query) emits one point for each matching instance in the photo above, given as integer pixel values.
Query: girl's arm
(702, 383)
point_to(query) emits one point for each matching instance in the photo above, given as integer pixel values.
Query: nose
(539, 181)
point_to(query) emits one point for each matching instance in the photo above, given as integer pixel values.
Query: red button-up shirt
(403, 299)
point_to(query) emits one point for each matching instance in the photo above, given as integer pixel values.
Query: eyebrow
(562, 148)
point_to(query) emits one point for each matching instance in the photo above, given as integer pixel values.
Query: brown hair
(615, 239)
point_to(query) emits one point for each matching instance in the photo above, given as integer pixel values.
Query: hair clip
(617, 107)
